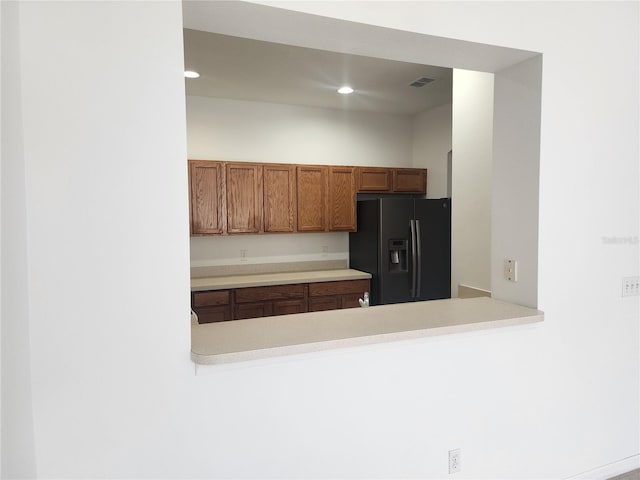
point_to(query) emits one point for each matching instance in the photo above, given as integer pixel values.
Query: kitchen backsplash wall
(268, 248)
(231, 130)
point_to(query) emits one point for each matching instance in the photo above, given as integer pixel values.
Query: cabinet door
(279, 198)
(374, 179)
(244, 198)
(252, 310)
(213, 314)
(410, 180)
(207, 197)
(286, 307)
(342, 199)
(337, 295)
(312, 198)
(318, 304)
(212, 306)
(350, 300)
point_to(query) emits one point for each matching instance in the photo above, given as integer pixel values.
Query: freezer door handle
(414, 258)
(418, 261)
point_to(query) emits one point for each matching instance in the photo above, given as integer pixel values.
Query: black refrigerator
(405, 244)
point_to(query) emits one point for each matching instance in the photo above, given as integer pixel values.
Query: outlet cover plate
(630, 286)
(511, 270)
(454, 461)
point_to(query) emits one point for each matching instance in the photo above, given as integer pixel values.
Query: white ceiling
(245, 69)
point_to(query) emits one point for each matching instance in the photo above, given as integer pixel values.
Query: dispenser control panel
(398, 255)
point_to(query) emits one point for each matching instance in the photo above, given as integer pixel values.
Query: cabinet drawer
(210, 298)
(338, 288)
(276, 292)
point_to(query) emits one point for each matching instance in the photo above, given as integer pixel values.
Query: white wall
(18, 449)
(222, 129)
(233, 130)
(106, 259)
(94, 208)
(431, 143)
(471, 179)
(515, 180)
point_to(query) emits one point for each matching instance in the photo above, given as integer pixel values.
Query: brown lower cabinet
(254, 302)
(336, 295)
(251, 302)
(212, 306)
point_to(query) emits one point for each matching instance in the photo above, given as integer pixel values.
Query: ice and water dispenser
(398, 255)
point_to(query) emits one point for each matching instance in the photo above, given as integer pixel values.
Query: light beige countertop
(256, 338)
(283, 278)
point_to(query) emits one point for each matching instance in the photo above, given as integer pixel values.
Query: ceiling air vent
(420, 82)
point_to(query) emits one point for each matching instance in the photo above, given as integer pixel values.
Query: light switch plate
(511, 270)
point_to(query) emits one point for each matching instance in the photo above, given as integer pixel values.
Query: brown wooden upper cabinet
(391, 180)
(244, 198)
(409, 180)
(207, 197)
(312, 198)
(373, 179)
(229, 198)
(279, 198)
(342, 199)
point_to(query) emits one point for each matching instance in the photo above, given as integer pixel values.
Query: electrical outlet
(243, 255)
(511, 270)
(630, 286)
(325, 250)
(454, 460)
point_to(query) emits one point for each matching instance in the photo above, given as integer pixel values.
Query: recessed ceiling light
(345, 90)
(191, 74)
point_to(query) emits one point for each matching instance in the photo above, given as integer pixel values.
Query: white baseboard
(610, 470)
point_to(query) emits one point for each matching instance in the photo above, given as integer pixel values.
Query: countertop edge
(363, 340)
(271, 279)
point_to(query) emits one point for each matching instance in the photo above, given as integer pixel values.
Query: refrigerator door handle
(414, 257)
(418, 259)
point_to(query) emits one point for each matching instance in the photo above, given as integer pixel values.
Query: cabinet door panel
(286, 307)
(318, 304)
(244, 198)
(410, 180)
(351, 300)
(252, 310)
(342, 199)
(213, 314)
(279, 198)
(312, 198)
(374, 179)
(207, 197)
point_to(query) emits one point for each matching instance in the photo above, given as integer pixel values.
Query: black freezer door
(434, 217)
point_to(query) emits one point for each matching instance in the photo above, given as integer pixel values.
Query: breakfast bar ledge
(265, 337)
